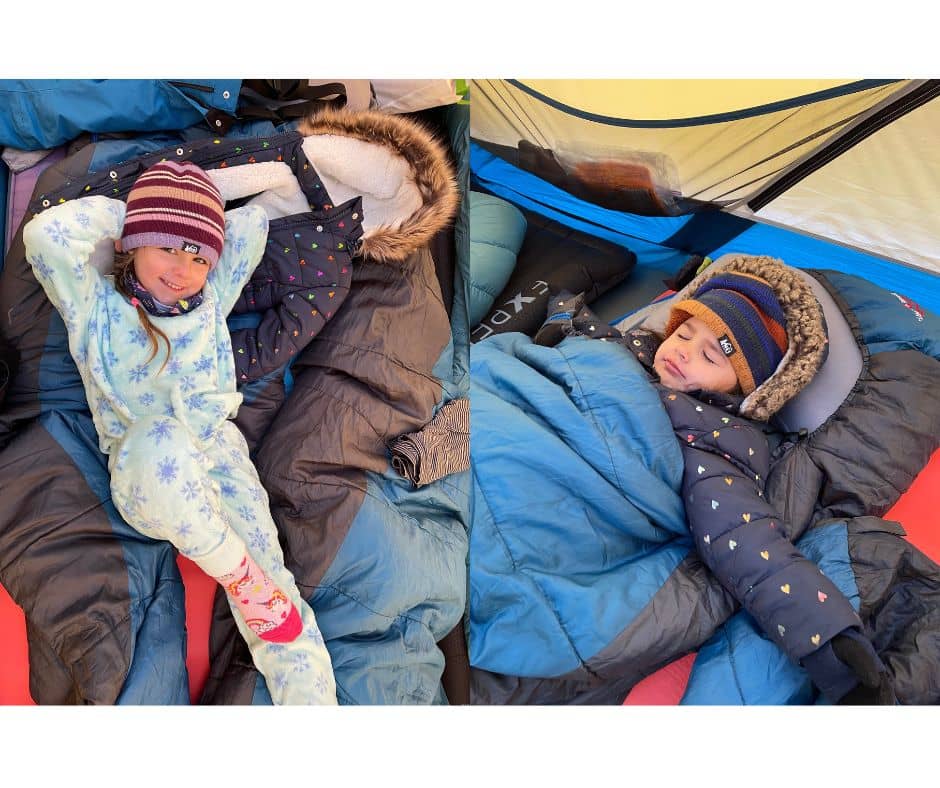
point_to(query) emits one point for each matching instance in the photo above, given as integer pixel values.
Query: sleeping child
(746, 340)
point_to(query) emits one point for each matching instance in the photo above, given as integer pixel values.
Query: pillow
(820, 398)
(554, 258)
(497, 229)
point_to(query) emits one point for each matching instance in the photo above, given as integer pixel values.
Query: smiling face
(690, 358)
(170, 275)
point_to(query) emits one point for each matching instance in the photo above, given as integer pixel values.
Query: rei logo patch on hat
(727, 346)
(175, 205)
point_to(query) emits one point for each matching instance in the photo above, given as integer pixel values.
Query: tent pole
(898, 104)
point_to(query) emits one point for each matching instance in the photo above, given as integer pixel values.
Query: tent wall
(663, 243)
(718, 155)
(881, 195)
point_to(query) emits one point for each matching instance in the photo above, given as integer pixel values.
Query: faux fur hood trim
(806, 329)
(429, 177)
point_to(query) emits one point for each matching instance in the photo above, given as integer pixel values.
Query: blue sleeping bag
(583, 577)
(578, 431)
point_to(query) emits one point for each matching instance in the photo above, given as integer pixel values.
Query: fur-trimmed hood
(806, 329)
(402, 171)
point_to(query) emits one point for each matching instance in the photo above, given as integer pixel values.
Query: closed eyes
(687, 338)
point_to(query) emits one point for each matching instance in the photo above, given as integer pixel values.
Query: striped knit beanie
(743, 312)
(176, 205)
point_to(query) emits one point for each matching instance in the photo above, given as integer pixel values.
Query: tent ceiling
(880, 196)
(665, 99)
(723, 161)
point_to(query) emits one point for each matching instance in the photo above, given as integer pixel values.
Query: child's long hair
(123, 261)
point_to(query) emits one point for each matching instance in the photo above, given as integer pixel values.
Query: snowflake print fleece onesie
(179, 467)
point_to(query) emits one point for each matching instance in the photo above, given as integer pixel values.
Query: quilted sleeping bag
(383, 564)
(584, 578)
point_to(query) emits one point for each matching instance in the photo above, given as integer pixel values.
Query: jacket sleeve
(246, 233)
(61, 244)
(285, 329)
(742, 540)
(301, 282)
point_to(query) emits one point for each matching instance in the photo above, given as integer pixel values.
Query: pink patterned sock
(266, 609)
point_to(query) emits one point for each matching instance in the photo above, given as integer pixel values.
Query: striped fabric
(742, 311)
(175, 204)
(441, 448)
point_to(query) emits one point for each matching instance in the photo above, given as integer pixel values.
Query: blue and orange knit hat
(744, 314)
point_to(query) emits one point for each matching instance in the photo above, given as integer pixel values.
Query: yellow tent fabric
(724, 141)
(721, 161)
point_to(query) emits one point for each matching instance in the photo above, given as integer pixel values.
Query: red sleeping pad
(915, 510)
(14, 665)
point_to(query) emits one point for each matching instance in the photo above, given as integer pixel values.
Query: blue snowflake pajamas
(180, 469)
